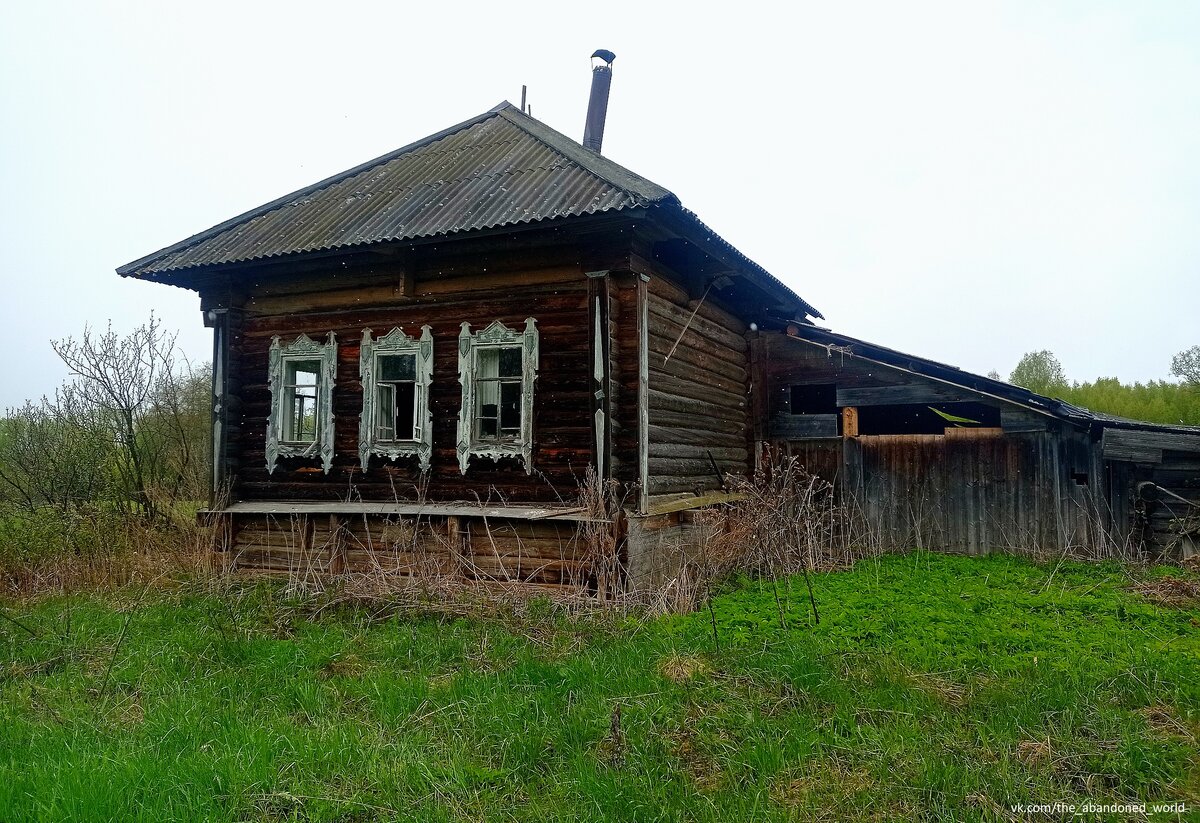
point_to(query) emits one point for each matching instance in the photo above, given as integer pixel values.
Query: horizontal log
(698, 376)
(702, 350)
(736, 454)
(733, 437)
(281, 537)
(274, 558)
(524, 567)
(275, 301)
(712, 398)
(912, 393)
(365, 561)
(698, 408)
(668, 484)
(669, 320)
(662, 289)
(519, 547)
(675, 420)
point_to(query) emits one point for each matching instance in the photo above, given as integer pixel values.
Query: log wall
(492, 550)
(443, 296)
(698, 392)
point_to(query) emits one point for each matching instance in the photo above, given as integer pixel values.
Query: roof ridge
(279, 202)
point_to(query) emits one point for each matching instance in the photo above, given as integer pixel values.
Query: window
(300, 401)
(497, 368)
(396, 374)
(301, 376)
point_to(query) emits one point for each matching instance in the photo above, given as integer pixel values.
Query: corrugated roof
(499, 169)
(977, 382)
(502, 168)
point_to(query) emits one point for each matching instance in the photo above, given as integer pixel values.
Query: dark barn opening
(820, 398)
(920, 418)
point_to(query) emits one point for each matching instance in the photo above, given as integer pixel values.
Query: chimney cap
(605, 55)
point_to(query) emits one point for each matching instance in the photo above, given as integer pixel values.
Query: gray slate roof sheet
(499, 169)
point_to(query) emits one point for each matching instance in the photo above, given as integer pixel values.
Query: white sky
(964, 181)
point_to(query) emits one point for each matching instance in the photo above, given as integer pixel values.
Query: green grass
(933, 688)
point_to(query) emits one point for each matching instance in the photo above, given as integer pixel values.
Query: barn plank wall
(698, 392)
(552, 289)
(1034, 489)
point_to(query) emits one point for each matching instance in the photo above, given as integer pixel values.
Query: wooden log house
(416, 362)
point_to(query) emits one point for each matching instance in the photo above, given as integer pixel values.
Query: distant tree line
(1158, 401)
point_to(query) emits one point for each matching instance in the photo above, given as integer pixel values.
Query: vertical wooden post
(223, 542)
(643, 397)
(758, 399)
(455, 536)
(337, 544)
(600, 346)
(218, 321)
(849, 421)
(222, 314)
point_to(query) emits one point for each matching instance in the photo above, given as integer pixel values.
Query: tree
(1040, 371)
(1186, 366)
(152, 409)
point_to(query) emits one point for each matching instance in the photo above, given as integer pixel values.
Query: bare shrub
(784, 521)
(600, 534)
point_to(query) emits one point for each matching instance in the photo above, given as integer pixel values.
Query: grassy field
(940, 688)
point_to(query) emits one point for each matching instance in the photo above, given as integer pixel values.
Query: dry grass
(1175, 592)
(125, 552)
(681, 668)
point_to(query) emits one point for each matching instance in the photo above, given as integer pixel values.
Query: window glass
(498, 381)
(300, 400)
(397, 367)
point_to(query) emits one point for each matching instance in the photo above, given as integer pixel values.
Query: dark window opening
(925, 418)
(1080, 478)
(396, 391)
(814, 399)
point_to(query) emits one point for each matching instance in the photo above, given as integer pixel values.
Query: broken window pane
(510, 408)
(510, 361)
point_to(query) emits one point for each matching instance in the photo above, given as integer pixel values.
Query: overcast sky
(964, 181)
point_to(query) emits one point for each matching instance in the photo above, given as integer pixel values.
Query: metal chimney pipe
(593, 129)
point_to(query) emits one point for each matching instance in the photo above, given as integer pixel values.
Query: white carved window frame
(396, 342)
(306, 349)
(495, 336)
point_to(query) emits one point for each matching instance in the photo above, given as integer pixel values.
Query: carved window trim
(393, 343)
(302, 348)
(496, 335)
